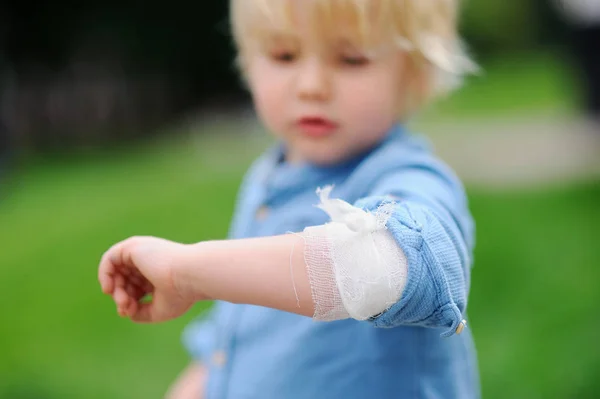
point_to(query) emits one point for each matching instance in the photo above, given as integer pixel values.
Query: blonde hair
(427, 30)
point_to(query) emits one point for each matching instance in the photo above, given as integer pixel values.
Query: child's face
(327, 99)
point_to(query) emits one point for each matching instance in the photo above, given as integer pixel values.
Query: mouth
(316, 126)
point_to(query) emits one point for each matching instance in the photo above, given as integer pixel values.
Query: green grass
(59, 335)
(535, 292)
(533, 304)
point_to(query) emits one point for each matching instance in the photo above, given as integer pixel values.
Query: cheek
(371, 102)
(268, 88)
(373, 98)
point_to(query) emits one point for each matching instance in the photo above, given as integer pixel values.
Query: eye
(284, 56)
(354, 60)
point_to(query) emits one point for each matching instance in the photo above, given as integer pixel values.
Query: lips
(316, 127)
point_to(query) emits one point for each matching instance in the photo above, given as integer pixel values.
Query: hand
(139, 266)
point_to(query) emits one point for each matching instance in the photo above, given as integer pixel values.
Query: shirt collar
(281, 178)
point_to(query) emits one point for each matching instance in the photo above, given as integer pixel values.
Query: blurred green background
(535, 282)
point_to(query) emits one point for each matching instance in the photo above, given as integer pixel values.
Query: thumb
(158, 309)
(146, 313)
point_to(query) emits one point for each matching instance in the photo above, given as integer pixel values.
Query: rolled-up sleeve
(433, 227)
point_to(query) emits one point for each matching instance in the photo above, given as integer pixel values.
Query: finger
(135, 292)
(141, 282)
(136, 279)
(131, 289)
(106, 272)
(120, 295)
(120, 254)
(111, 261)
(121, 299)
(132, 308)
(119, 280)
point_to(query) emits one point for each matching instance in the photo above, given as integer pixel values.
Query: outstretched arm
(266, 271)
(392, 263)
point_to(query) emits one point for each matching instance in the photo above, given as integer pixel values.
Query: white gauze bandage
(355, 267)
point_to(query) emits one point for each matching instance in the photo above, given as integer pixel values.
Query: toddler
(347, 268)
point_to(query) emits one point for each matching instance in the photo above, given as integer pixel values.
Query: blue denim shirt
(409, 351)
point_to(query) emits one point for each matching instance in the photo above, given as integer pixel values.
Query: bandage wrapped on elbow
(355, 267)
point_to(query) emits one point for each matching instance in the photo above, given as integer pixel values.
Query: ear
(424, 83)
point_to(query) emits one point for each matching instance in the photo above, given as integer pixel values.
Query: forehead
(363, 22)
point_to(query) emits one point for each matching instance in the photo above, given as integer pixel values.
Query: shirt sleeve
(426, 215)
(433, 227)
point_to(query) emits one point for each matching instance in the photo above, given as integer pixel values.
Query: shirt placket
(223, 357)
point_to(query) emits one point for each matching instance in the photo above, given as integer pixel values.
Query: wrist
(191, 272)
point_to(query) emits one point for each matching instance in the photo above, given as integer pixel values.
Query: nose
(314, 80)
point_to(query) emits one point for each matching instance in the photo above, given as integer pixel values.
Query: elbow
(436, 290)
(377, 280)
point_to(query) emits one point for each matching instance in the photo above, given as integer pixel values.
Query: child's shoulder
(404, 150)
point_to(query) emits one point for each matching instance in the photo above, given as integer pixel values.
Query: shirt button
(219, 358)
(461, 326)
(262, 213)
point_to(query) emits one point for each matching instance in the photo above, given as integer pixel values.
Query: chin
(326, 158)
